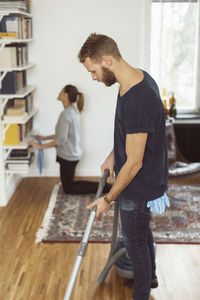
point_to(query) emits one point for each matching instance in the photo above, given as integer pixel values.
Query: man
(139, 156)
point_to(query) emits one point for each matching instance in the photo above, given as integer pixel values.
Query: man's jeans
(138, 240)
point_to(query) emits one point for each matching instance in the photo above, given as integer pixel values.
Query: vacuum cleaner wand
(83, 245)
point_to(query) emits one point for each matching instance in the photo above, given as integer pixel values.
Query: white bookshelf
(6, 12)
(18, 68)
(13, 172)
(4, 41)
(21, 93)
(5, 174)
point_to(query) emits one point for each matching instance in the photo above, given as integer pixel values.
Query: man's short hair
(98, 45)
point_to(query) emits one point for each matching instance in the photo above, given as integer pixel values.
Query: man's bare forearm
(125, 176)
(111, 155)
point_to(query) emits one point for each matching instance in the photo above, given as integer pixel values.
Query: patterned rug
(66, 218)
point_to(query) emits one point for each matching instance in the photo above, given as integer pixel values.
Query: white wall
(60, 28)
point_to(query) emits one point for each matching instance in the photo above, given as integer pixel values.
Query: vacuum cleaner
(123, 265)
(118, 256)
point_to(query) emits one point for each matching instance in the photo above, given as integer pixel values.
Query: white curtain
(175, 49)
(144, 30)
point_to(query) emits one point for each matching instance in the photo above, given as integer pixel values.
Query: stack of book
(12, 82)
(14, 55)
(27, 102)
(19, 159)
(16, 27)
(15, 5)
(17, 110)
(16, 133)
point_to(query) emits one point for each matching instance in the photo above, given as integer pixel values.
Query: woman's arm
(44, 138)
(42, 146)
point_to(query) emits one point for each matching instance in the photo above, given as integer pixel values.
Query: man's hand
(35, 145)
(102, 206)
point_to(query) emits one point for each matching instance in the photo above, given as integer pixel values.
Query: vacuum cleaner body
(123, 265)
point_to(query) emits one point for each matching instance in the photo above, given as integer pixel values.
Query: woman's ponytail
(80, 102)
(74, 96)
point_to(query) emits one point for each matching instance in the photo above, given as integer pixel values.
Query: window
(174, 50)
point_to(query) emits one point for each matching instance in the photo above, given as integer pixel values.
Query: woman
(67, 142)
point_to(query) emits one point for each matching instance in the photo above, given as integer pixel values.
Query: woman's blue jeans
(138, 240)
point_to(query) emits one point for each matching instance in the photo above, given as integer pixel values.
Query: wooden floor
(30, 271)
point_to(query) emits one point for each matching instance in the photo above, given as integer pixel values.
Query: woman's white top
(68, 134)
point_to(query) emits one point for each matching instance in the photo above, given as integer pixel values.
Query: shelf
(18, 68)
(20, 93)
(9, 41)
(187, 121)
(7, 12)
(35, 110)
(25, 171)
(7, 188)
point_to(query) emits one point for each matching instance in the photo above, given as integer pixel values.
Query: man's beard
(108, 77)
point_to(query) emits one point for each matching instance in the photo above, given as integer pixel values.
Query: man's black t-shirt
(140, 109)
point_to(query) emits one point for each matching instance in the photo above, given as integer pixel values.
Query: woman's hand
(102, 206)
(35, 145)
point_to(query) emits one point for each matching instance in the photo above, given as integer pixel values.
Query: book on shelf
(19, 160)
(17, 167)
(11, 24)
(26, 102)
(8, 35)
(8, 57)
(20, 5)
(20, 154)
(12, 135)
(12, 82)
(13, 56)
(16, 110)
(15, 119)
(20, 25)
(16, 133)
(20, 157)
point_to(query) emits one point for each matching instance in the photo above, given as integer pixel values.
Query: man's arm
(135, 147)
